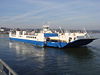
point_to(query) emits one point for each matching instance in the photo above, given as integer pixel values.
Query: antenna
(60, 29)
(86, 33)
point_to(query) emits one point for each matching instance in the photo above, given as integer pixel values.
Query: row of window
(31, 37)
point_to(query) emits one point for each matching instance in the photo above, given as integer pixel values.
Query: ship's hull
(76, 43)
(33, 42)
(80, 42)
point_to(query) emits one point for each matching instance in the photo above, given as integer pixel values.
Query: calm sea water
(26, 59)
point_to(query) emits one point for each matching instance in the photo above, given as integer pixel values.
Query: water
(26, 59)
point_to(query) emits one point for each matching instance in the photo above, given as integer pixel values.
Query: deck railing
(5, 69)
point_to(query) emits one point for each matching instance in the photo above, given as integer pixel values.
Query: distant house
(2, 30)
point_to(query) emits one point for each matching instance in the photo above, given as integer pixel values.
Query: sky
(67, 14)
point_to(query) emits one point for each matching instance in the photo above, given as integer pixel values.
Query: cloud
(29, 14)
(56, 12)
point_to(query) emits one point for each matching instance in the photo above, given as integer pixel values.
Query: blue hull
(56, 44)
(37, 43)
(75, 43)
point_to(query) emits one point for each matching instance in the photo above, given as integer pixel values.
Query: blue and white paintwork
(48, 38)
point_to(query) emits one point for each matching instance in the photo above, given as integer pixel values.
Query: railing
(5, 69)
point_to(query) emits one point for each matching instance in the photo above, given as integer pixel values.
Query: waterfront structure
(5, 69)
(52, 38)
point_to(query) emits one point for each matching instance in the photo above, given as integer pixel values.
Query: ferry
(52, 38)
